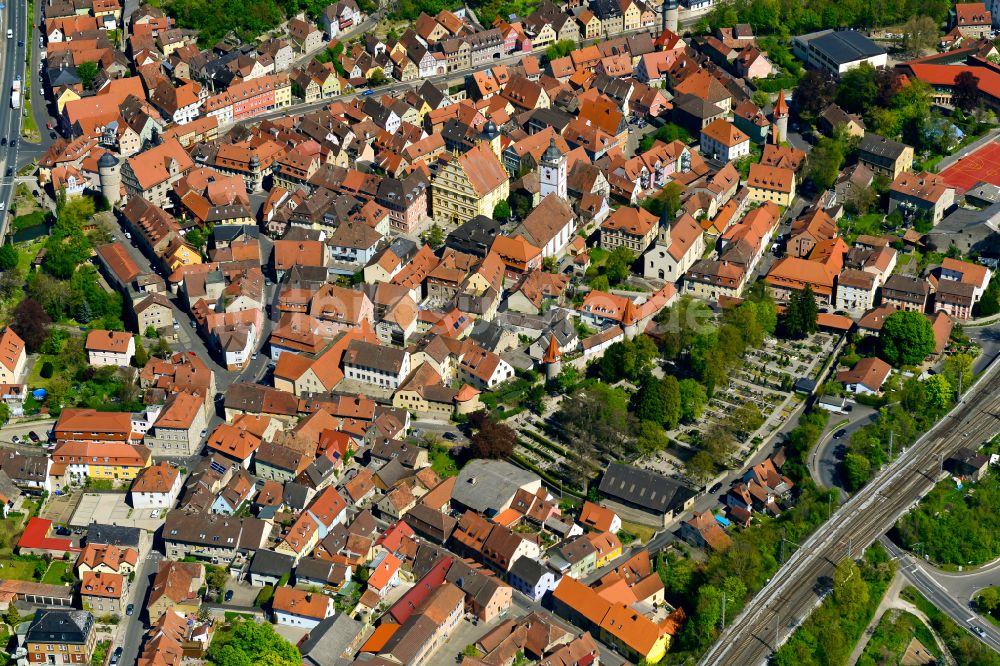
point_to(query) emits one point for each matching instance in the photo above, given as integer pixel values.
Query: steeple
(630, 320)
(553, 364)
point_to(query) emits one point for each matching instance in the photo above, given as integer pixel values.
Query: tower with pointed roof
(552, 360)
(780, 117)
(630, 321)
(663, 232)
(491, 135)
(552, 179)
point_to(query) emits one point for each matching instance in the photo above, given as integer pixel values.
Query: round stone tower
(110, 174)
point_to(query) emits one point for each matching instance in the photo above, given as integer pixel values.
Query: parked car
(155, 513)
(33, 436)
(840, 433)
(130, 609)
(228, 596)
(115, 656)
(15, 439)
(451, 435)
(714, 489)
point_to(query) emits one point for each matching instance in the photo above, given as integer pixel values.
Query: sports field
(981, 165)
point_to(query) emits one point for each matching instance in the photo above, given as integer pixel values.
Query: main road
(797, 588)
(13, 18)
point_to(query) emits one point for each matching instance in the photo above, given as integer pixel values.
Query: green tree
(8, 257)
(700, 466)
(651, 437)
(857, 470)
(520, 204)
(906, 338)
(824, 162)
(559, 49)
(958, 370)
(377, 78)
(619, 265)
(920, 34)
(550, 264)
(659, 401)
(435, 236)
(87, 71)
(254, 643)
(501, 211)
(141, 357)
(939, 391)
(693, 399)
(801, 314)
(849, 589)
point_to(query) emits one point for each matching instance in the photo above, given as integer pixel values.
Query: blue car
(368, 93)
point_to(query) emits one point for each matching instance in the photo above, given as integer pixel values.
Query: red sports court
(976, 167)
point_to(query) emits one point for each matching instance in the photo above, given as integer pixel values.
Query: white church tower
(553, 177)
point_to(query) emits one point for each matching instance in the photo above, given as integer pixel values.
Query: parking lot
(110, 508)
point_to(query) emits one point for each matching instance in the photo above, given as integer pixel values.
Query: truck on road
(15, 94)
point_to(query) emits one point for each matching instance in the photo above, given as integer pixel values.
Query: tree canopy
(906, 338)
(254, 644)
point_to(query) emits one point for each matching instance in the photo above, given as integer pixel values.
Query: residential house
(883, 156)
(866, 377)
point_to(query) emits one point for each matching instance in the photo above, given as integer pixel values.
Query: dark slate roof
(113, 535)
(270, 563)
(60, 626)
(230, 232)
(606, 9)
(878, 145)
(296, 495)
(844, 46)
(474, 236)
(651, 491)
(319, 470)
(330, 639)
(487, 333)
(529, 570)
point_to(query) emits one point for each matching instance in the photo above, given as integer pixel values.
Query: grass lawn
(35, 379)
(26, 253)
(891, 637)
(56, 570)
(17, 570)
(643, 533)
(443, 464)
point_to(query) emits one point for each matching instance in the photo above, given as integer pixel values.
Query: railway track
(799, 586)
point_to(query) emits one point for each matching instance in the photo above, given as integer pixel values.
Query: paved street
(13, 18)
(826, 456)
(131, 629)
(948, 592)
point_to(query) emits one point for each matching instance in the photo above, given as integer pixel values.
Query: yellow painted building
(775, 184)
(468, 185)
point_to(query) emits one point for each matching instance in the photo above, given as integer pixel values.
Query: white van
(10, 33)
